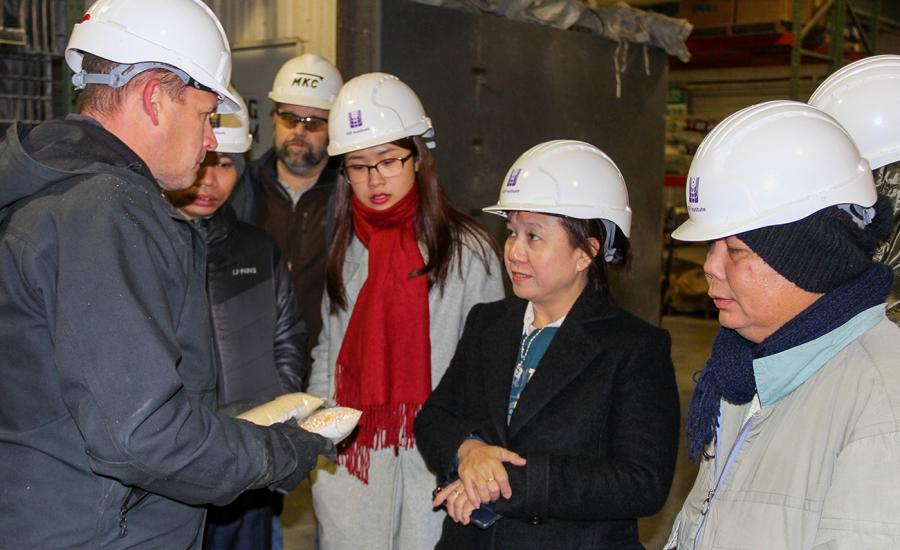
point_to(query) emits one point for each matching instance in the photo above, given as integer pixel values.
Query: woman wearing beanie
(403, 271)
(794, 420)
(556, 424)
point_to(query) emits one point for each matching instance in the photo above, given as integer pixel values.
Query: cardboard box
(769, 11)
(707, 13)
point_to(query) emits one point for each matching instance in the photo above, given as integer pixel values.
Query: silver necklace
(526, 343)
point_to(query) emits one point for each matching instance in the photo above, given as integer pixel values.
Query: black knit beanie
(822, 250)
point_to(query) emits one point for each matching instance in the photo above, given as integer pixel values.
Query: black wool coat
(598, 424)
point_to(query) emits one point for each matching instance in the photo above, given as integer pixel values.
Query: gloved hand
(294, 453)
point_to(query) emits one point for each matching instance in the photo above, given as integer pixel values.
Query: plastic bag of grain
(335, 423)
(281, 409)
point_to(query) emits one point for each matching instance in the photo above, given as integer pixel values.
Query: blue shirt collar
(779, 374)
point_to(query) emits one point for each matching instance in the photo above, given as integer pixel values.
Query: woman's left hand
(482, 473)
(453, 497)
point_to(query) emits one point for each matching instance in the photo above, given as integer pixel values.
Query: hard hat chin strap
(861, 215)
(428, 137)
(609, 253)
(122, 75)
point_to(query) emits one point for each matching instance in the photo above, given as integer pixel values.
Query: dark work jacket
(598, 424)
(302, 232)
(260, 337)
(887, 181)
(108, 435)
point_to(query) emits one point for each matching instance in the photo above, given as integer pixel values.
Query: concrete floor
(691, 342)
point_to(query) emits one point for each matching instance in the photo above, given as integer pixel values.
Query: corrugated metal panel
(32, 39)
(312, 22)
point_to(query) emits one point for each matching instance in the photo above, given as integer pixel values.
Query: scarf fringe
(380, 427)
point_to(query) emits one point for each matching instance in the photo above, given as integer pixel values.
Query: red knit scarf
(384, 366)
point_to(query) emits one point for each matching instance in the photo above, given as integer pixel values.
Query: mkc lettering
(694, 190)
(355, 118)
(306, 80)
(243, 271)
(513, 177)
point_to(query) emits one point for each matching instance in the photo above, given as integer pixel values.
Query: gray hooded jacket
(107, 435)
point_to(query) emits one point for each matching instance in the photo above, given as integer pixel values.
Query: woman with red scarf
(404, 269)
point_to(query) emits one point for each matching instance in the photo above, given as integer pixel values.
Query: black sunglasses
(311, 123)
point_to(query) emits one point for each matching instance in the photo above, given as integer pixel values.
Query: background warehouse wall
(494, 87)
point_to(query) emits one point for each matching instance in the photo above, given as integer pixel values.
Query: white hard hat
(569, 178)
(372, 109)
(865, 98)
(770, 164)
(306, 80)
(183, 36)
(232, 130)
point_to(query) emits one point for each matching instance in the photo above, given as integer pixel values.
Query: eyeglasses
(388, 168)
(311, 123)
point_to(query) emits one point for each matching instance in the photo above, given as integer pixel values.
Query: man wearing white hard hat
(108, 435)
(290, 189)
(259, 336)
(865, 98)
(794, 419)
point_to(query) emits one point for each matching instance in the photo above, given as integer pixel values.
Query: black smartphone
(484, 517)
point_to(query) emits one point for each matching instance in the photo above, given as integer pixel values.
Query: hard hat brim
(622, 218)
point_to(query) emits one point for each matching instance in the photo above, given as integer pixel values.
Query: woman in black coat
(556, 424)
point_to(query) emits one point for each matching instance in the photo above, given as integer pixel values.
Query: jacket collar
(60, 149)
(779, 374)
(572, 350)
(217, 227)
(63, 148)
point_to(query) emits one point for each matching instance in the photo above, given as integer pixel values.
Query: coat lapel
(502, 345)
(572, 350)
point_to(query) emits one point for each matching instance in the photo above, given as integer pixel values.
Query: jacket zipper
(132, 499)
(707, 502)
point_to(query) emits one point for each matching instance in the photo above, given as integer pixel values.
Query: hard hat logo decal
(355, 119)
(694, 190)
(306, 80)
(513, 177)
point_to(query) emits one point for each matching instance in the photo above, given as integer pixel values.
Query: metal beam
(797, 48)
(836, 38)
(359, 36)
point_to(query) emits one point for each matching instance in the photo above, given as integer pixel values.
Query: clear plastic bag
(335, 423)
(283, 408)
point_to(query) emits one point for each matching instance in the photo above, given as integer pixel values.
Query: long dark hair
(581, 231)
(439, 226)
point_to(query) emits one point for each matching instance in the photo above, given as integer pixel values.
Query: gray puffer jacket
(260, 337)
